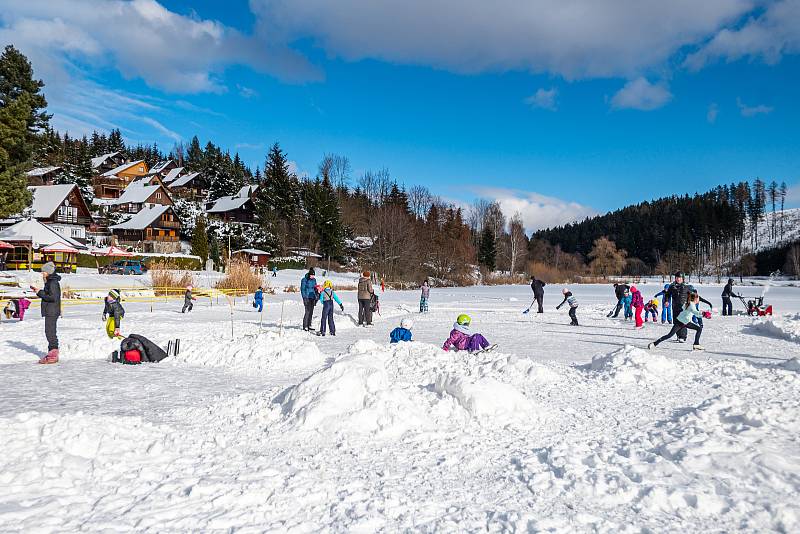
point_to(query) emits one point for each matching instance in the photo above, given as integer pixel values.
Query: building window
(158, 196)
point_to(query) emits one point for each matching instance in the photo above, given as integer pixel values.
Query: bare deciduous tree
(518, 242)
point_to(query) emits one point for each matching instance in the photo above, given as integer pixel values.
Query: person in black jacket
(113, 312)
(538, 292)
(137, 349)
(678, 292)
(619, 292)
(51, 309)
(727, 293)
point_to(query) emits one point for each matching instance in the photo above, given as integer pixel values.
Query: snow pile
(253, 353)
(486, 398)
(786, 327)
(633, 365)
(98, 347)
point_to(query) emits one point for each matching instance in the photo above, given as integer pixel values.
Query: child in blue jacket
(328, 296)
(627, 299)
(666, 309)
(402, 332)
(258, 299)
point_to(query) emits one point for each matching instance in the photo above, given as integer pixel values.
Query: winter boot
(651, 346)
(697, 347)
(50, 357)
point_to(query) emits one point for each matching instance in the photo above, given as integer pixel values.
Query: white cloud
(769, 35)
(538, 211)
(544, 98)
(574, 39)
(711, 114)
(246, 92)
(752, 111)
(142, 39)
(642, 95)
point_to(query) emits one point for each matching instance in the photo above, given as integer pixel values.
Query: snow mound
(791, 365)
(255, 353)
(87, 348)
(486, 398)
(633, 365)
(786, 327)
(389, 390)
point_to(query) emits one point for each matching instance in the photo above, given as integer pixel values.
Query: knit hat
(312, 272)
(49, 268)
(365, 274)
(114, 294)
(406, 323)
(189, 287)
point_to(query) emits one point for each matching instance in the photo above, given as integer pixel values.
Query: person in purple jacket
(461, 338)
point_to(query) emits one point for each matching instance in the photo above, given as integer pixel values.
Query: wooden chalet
(112, 183)
(43, 175)
(142, 193)
(189, 186)
(238, 208)
(35, 244)
(62, 208)
(255, 257)
(106, 162)
(154, 228)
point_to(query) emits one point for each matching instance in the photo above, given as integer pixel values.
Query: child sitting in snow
(462, 339)
(573, 306)
(113, 313)
(402, 332)
(651, 309)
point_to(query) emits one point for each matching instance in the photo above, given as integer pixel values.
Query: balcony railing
(68, 219)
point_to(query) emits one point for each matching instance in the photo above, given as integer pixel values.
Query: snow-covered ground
(561, 429)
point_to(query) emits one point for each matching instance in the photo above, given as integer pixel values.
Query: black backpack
(374, 305)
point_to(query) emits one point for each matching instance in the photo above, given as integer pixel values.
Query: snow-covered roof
(122, 167)
(47, 198)
(252, 251)
(224, 204)
(136, 193)
(183, 180)
(37, 233)
(160, 166)
(59, 246)
(172, 174)
(143, 219)
(41, 171)
(99, 160)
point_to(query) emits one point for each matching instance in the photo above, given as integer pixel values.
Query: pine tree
(217, 169)
(200, 240)
(278, 199)
(487, 252)
(213, 250)
(194, 156)
(116, 143)
(14, 154)
(16, 79)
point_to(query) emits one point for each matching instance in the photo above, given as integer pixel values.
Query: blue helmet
(666, 286)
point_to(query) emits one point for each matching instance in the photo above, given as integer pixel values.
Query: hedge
(189, 264)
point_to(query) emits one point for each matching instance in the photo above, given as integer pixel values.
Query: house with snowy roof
(191, 186)
(146, 192)
(162, 168)
(113, 182)
(43, 175)
(238, 208)
(155, 228)
(35, 244)
(106, 162)
(62, 208)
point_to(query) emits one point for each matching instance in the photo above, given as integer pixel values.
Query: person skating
(113, 312)
(619, 292)
(402, 332)
(684, 321)
(423, 299)
(461, 338)
(627, 300)
(537, 286)
(51, 309)
(637, 303)
(365, 293)
(651, 309)
(727, 293)
(309, 291)
(666, 309)
(573, 306)
(328, 296)
(258, 299)
(187, 300)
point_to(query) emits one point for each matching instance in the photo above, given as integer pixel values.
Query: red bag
(132, 357)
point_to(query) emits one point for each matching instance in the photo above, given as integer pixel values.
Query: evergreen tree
(116, 143)
(213, 250)
(278, 199)
(487, 252)
(200, 240)
(16, 79)
(217, 169)
(14, 154)
(194, 156)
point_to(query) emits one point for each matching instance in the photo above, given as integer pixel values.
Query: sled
(490, 348)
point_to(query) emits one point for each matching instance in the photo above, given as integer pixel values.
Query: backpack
(374, 305)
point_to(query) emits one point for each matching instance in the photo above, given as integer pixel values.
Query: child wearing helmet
(113, 313)
(651, 309)
(666, 309)
(462, 338)
(627, 299)
(328, 296)
(573, 306)
(402, 332)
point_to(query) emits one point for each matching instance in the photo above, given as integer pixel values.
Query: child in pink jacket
(637, 302)
(461, 338)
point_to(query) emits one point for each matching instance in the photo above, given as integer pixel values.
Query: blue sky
(556, 112)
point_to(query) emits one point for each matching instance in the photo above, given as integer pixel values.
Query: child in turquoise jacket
(328, 296)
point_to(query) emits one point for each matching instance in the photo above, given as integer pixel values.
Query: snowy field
(562, 429)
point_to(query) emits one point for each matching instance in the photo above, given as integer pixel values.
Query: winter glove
(104, 317)
(342, 307)
(707, 315)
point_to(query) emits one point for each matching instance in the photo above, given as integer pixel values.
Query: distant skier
(51, 309)
(637, 303)
(258, 299)
(328, 296)
(666, 309)
(537, 286)
(619, 292)
(727, 293)
(684, 321)
(113, 312)
(461, 338)
(365, 294)
(309, 291)
(187, 300)
(423, 299)
(573, 306)
(402, 332)
(651, 309)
